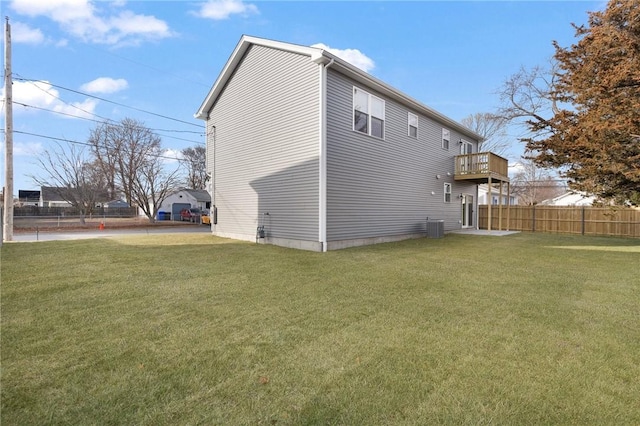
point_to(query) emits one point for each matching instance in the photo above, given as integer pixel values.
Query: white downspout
(322, 225)
(212, 172)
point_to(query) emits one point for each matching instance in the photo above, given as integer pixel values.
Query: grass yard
(190, 329)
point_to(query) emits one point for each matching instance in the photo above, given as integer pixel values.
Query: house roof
(570, 199)
(198, 194)
(55, 194)
(51, 193)
(322, 56)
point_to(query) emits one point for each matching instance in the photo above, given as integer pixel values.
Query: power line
(87, 144)
(112, 123)
(33, 83)
(199, 83)
(108, 101)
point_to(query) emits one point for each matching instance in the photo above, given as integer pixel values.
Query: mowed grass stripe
(198, 330)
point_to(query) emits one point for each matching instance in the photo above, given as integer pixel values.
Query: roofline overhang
(322, 57)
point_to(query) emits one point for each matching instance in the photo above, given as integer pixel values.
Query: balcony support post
(508, 205)
(489, 202)
(500, 208)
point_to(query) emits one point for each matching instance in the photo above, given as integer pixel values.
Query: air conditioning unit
(435, 228)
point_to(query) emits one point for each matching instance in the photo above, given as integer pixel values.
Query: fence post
(582, 222)
(533, 225)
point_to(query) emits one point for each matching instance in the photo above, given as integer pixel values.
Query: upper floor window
(413, 125)
(446, 137)
(368, 113)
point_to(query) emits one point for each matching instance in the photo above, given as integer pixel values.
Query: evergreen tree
(595, 137)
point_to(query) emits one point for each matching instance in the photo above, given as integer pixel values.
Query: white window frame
(447, 192)
(466, 147)
(367, 110)
(446, 139)
(409, 125)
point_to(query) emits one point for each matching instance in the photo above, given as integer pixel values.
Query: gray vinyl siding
(378, 188)
(266, 146)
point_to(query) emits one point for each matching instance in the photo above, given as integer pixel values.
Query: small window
(447, 192)
(413, 125)
(368, 113)
(446, 137)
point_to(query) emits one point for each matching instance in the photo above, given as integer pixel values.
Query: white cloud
(171, 156)
(41, 95)
(57, 10)
(515, 168)
(82, 19)
(128, 22)
(353, 56)
(84, 109)
(223, 9)
(22, 33)
(105, 85)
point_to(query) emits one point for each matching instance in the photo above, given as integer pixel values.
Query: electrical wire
(88, 144)
(33, 83)
(199, 83)
(112, 123)
(21, 78)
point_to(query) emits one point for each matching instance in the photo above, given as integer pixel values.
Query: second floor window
(446, 137)
(413, 125)
(368, 113)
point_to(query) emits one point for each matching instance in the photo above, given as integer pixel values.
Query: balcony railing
(481, 166)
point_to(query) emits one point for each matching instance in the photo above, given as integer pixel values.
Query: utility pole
(7, 223)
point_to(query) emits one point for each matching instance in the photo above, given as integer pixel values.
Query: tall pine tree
(596, 139)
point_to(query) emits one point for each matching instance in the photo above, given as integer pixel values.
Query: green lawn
(523, 329)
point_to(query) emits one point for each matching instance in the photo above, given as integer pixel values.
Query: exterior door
(465, 147)
(467, 211)
(465, 162)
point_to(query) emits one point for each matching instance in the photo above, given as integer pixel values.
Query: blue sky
(162, 57)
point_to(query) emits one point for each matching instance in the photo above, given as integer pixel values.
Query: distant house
(570, 199)
(494, 198)
(28, 197)
(113, 204)
(51, 196)
(307, 151)
(185, 198)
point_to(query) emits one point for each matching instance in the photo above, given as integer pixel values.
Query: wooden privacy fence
(614, 221)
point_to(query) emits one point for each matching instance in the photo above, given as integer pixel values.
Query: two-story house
(305, 150)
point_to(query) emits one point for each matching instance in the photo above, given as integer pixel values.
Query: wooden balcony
(482, 167)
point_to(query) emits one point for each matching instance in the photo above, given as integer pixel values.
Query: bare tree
(70, 173)
(492, 128)
(532, 184)
(152, 184)
(195, 161)
(130, 157)
(105, 146)
(528, 98)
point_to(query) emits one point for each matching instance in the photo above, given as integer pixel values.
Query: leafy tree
(592, 130)
(196, 163)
